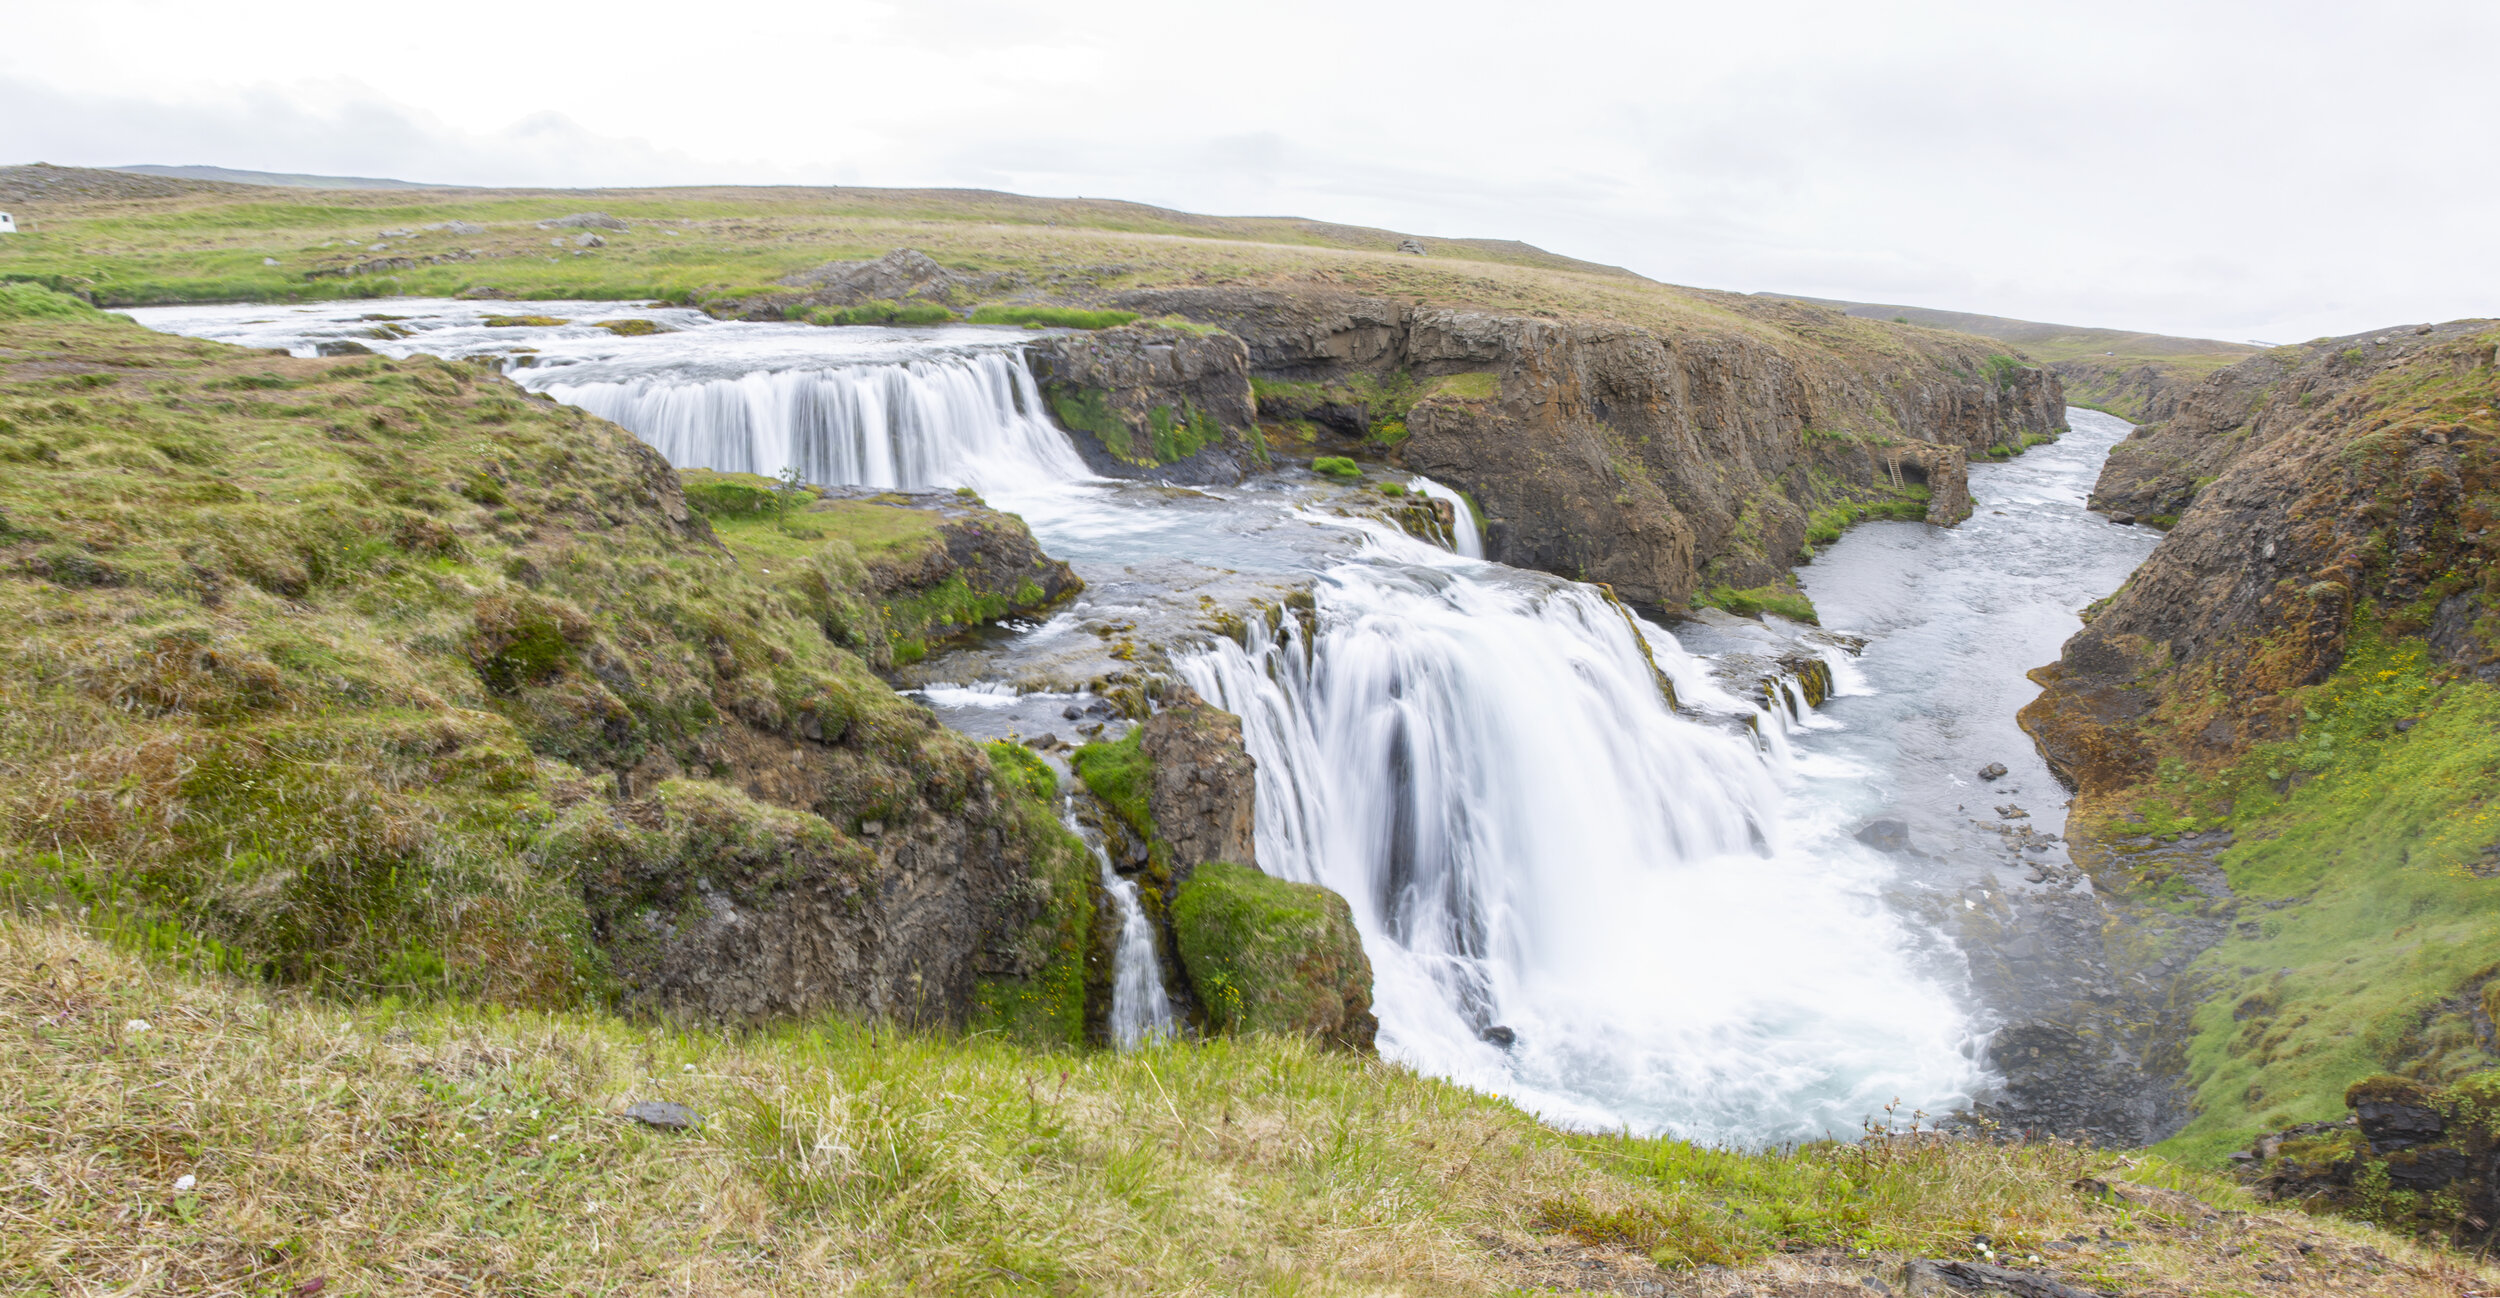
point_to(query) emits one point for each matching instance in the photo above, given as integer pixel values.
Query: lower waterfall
(1569, 893)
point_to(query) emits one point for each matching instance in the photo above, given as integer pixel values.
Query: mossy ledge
(385, 676)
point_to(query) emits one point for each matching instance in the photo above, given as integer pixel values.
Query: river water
(1619, 913)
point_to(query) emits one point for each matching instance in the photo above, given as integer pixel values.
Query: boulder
(578, 221)
(1267, 955)
(1885, 835)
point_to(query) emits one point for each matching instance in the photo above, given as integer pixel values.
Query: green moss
(1118, 774)
(875, 313)
(720, 495)
(1337, 466)
(1088, 410)
(2381, 837)
(1825, 525)
(1051, 317)
(1047, 1006)
(520, 321)
(1475, 385)
(1784, 601)
(1270, 955)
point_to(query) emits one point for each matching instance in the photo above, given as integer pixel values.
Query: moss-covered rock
(889, 575)
(1268, 955)
(1168, 400)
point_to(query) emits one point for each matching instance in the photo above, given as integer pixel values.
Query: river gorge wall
(1662, 462)
(2278, 730)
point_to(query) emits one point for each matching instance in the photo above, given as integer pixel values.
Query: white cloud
(2237, 169)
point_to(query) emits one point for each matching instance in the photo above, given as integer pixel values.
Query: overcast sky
(2272, 171)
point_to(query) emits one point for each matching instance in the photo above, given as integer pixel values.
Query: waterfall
(1141, 1010)
(1466, 537)
(970, 420)
(1570, 894)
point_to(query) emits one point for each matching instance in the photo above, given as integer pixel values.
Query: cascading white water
(965, 421)
(1480, 761)
(1465, 537)
(1141, 1010)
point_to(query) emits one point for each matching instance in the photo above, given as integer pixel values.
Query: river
(1619, 913)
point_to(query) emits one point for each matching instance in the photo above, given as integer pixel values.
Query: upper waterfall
(962, 421)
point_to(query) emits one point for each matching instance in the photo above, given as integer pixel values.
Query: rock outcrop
(2424, 1159)
(2309, 483)
(1204, 782)
(889, 575)
(1658, 460)
(494, 714)
(1155, 401)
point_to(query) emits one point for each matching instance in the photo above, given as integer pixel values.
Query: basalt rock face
(1657, 461)
(2310, 483)
(2415, 1157)
(1154, 401)
(1203, 786)
(2140, 392)
(715, 905)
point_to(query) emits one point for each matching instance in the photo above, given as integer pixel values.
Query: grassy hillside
(343, 671)
(2117, 370)
(127, 240)
(184, 1133)
(2303, 675)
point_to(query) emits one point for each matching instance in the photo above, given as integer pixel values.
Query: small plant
(788, 494)
(1337, 466)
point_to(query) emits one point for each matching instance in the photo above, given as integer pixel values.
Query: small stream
(1621, 914)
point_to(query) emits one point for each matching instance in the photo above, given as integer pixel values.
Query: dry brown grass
(393, 1149)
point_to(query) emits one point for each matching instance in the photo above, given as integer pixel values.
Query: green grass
(1051, 317)
(1337, 466)
(1117, 773)
(308, 658)
(1825, 525)
(484, 1147)
(1783, 601)
(875, 313)
(2380, 836)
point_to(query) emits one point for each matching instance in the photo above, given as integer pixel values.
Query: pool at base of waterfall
(1619, 913)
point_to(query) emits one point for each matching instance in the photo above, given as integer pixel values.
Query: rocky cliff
(1660, 460)
(2280, 730)
(1155, 400)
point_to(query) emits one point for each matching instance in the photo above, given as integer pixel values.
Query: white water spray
(1481, 762)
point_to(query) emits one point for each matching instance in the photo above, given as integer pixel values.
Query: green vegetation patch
(875, 313)
(1784, 601)
(1119, 775)
(1271, 955)
(1338, 467)
(1051, 317)
(22, 301)
(2377, 821)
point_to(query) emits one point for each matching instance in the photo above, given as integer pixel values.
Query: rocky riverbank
(2278, 729)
